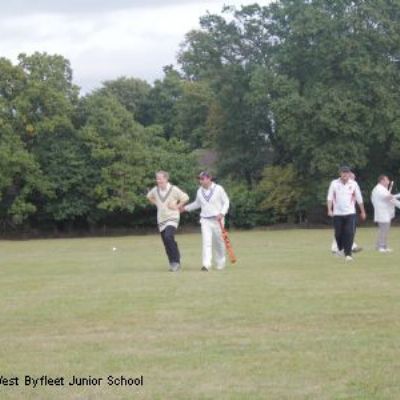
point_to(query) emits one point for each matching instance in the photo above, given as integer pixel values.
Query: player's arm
(192, 206)
(386, 194)
(362, 210)
(360, 203)
(396, 203)
(225, 204)
(329, 201)
(181, 199)
(150, 197)
(329, 205)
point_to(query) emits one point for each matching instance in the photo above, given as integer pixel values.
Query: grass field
(289, 321)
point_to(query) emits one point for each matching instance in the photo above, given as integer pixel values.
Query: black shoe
(204, 269)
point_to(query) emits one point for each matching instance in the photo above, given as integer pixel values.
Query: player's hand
(330, 213)
(181, 208)
(220, 217)
(363, 216)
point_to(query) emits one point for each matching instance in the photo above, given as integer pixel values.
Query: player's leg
(206, 234)
(356, 248)
(334, 247)
(383, 231)
(218, 246)
(338, 223)
(348, 234)
(166, 245)
(171, 247)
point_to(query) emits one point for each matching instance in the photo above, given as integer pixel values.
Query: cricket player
(342, 195)
(355, 248)
(168, 199)
(384, 203)
(214, 204)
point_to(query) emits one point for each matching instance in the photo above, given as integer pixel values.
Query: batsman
(214, 204)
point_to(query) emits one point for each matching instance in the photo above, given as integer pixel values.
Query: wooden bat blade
(228, 245)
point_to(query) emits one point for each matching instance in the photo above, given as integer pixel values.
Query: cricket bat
(228, 245)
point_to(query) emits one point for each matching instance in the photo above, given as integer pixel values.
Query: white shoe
(348, 258)
(174, 267)
(220, 267)
(383, 250)
(339, 253)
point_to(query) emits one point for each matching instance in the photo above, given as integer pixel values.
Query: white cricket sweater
(384, 203)
(212, 201)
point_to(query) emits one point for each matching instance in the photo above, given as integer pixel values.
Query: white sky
(104, 39)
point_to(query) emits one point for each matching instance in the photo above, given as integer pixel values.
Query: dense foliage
(282, 94)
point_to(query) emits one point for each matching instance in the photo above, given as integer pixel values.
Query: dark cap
(344, 168)
(205, 174)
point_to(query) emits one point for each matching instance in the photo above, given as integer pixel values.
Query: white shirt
(212, 201)
(344, 196)
(383, 203)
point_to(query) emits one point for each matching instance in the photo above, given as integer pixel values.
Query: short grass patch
(288, 321)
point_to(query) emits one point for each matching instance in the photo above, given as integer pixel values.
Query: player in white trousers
(384, 203)
(214, 204)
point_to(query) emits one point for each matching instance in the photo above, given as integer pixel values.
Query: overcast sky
(104, 39)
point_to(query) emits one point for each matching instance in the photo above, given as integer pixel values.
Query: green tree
(307, 83)
(163, 98)
(45, 109)
(112, 138)
(125, 155)
(21, 177)
(335, 99)
(282, 192)
(226, 55)
(133, 94)
(192, 114)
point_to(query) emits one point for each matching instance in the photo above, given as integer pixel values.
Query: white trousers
(383, 233)
(212, 240)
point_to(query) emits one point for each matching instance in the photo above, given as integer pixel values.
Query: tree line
(281, 94)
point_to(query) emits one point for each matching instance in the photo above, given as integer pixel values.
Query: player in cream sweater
(168, 199)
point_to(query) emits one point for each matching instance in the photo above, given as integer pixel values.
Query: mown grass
(288, 321)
